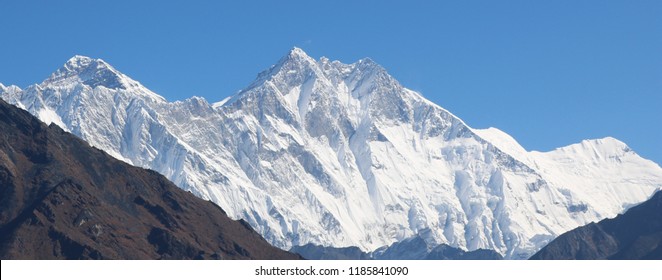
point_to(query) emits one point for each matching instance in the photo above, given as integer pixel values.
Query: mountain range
(333, 154)
(62, 199)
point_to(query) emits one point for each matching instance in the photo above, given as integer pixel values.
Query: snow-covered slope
(317, 151)
(607, 170)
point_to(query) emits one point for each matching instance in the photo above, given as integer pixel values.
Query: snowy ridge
(317, 151)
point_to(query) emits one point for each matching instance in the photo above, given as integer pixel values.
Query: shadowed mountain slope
(637, 234)
(62, 199)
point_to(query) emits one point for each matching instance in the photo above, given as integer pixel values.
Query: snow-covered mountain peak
(296, 69)
(98, 76)
(607, 142)
(80, 61)
(297, 52)
(368, 63)
(198, 104)
(295, 58)
(596, 149)
(343, 155)
(11, 93)
(9, 88)
(92, 72)
(294, 65)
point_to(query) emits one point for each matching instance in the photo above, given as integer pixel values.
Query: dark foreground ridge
(318, 252)
(414, 248)
(635, 235)
(62, 199)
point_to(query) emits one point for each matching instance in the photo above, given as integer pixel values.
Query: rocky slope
(635, 235)
(62, 199)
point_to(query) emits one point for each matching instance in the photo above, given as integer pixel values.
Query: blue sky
(550, 73)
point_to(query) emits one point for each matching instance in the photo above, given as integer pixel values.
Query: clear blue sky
(550, 73)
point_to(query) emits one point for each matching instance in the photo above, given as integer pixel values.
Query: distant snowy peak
(590, 150)
(596, 149)
(10, 89)
(96, 73)
(91, 72)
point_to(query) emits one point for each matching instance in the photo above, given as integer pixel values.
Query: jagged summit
(295, 58)
(294, 62)
(92, 72)
(343, 155)
(81, 61)
(97, 74)
(297, 52)
(299, 82)
(9, 88)
(297, 63)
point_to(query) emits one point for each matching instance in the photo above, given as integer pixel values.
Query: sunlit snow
(343, 155)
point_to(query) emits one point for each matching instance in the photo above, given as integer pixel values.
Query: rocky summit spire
(295, 58)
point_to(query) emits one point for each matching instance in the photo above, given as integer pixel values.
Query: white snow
(343, 155)
(503, 141)
(49, 116)
(220, 103)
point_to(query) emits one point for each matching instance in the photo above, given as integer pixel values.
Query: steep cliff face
(339, 155)
(62, 199)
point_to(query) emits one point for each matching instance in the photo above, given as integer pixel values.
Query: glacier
(335, 154)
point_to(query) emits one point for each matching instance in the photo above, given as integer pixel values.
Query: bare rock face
(63, 199)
